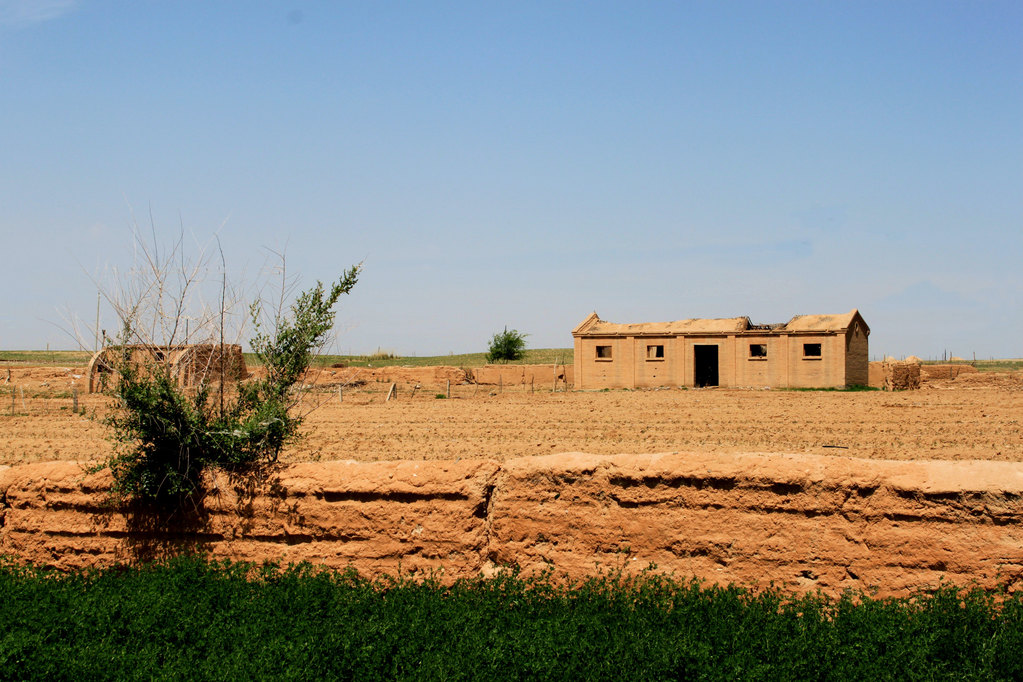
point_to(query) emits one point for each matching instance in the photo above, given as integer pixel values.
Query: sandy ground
(974, 417)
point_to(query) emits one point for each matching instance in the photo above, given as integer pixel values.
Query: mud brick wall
(945, 371)
(538, 376)
(900, 376)
(799, 521)
(379, 517)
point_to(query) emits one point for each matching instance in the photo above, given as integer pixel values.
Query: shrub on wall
(167, 434)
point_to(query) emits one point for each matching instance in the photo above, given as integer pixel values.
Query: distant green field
(983, 365)
(46, 357)
(538, 356)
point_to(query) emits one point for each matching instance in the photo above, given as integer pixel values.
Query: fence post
(393, 391)
(74, 400)
(449, 388)
(12, 398)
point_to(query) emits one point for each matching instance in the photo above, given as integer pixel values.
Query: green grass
(189, 619)
(63, 358)
(983, 365)
(538, 356)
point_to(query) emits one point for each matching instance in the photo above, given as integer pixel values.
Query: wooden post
(554, 384)
(393, 391)
(449, 388)
(340, 395)
(74, 400)
(500, 383)
(12, 400)
(414, 389)
(24, 407)
(530, 384)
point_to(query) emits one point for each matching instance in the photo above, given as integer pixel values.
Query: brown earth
(971, 416)
(821, 503)
(801, 522)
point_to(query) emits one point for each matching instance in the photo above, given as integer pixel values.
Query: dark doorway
(705, 365)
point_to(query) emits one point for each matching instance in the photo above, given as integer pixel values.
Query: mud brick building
(189, 364)
(809, 351)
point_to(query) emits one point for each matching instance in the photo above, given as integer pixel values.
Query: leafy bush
(506, 346)
(189, 619)
(167, 435)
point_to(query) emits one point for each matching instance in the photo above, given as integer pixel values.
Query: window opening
(655, 352)
(603, 352)
(811, 350)
(758, 350)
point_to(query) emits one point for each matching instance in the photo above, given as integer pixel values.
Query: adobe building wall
(857, 372)
(801, 522)
(785, 365)
(826, 371)
(689, 347)
(650, 370)
(617, 372)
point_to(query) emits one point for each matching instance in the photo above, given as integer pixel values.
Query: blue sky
(526, 163)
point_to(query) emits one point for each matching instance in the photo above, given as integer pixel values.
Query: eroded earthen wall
(799, 521)
(857, 352)
(950, 371)
(524, 375)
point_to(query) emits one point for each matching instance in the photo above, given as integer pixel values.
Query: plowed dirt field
(973, 417)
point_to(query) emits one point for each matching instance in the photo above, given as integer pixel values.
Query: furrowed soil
(974, 416)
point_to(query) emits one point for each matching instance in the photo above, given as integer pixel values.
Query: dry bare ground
(975, 416)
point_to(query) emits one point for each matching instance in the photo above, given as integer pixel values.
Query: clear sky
(526, 163)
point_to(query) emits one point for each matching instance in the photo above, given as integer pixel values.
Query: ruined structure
(189, 364)
(809, 351)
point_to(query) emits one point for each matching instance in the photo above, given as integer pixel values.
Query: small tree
(168, 435)
(507, 346)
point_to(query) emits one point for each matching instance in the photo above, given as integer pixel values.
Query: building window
(655, 352)
(603, 352)
(758, 351)
(811, 350)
